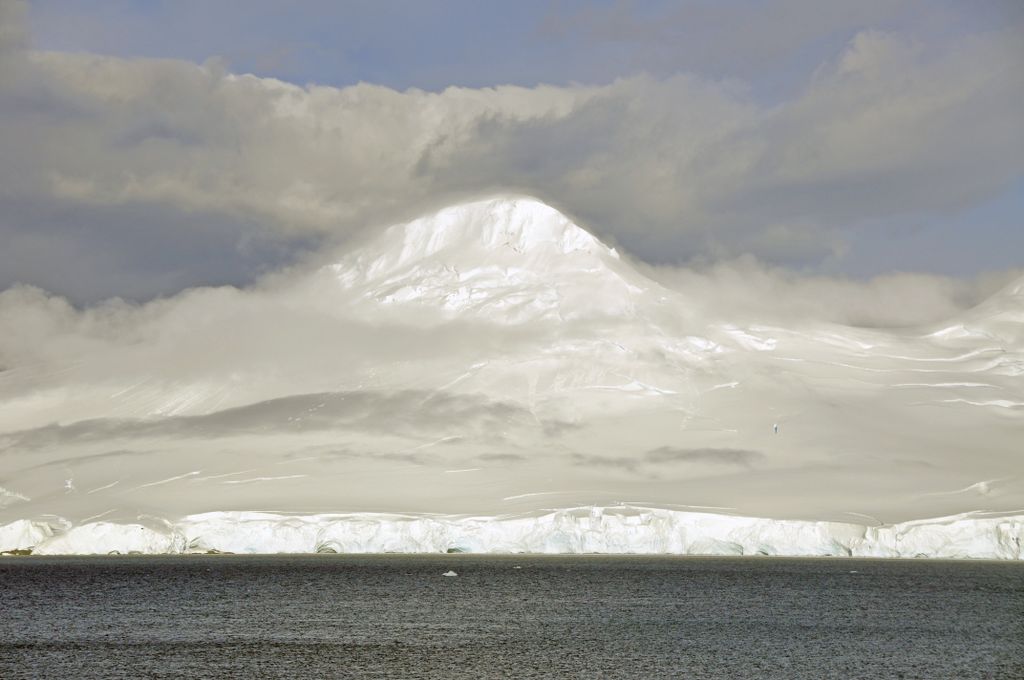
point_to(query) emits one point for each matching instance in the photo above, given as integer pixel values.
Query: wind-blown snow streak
(619, 530)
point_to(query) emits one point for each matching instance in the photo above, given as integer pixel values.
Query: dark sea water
(391, 616)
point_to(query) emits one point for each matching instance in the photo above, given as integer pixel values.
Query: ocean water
(396, 616)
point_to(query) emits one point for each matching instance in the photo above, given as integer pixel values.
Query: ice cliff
(619, 530)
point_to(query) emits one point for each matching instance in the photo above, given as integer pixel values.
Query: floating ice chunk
(449, 573)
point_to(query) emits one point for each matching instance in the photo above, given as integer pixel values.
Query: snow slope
(483, 369)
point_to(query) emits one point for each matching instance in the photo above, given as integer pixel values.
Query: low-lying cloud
(751, 290)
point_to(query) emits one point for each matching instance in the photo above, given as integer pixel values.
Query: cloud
(392, 413)
(745, 288)
(502, 457)
(87, 459)
(111, 168)
(667, 454)
(13, 30)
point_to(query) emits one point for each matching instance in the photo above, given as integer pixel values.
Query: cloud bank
(140, 177)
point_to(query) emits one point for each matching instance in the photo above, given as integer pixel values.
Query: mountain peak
(510, 258)
(503, 225)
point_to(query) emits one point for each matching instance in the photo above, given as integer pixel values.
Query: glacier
(492, 377)
(615, 530)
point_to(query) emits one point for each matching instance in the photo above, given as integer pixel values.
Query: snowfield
(493, 378)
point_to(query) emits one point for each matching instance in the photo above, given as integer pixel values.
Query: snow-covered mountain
(507, 260)
(493, 377)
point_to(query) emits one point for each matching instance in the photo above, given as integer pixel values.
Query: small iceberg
(449, 573)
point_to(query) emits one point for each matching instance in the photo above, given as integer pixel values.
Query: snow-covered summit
(509, 259)
(520, 228)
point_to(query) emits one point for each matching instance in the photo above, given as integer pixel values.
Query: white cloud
(747, 289)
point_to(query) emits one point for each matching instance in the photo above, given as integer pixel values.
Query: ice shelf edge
(617, 530)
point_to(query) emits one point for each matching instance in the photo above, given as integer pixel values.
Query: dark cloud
(627, 463)
(87, 458)
(140, 177)
(143, 251)
(333, 455)
(556, 428)
(502, 457)
(740, 457)
(411, 411)
(665, 455)
(13, 30)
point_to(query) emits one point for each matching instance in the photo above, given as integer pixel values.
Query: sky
(150, 147)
